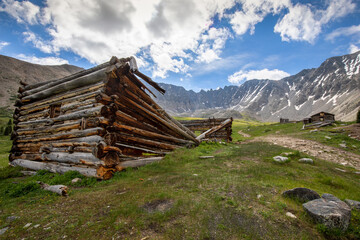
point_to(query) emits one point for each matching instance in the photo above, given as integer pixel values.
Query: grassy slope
(235, 195)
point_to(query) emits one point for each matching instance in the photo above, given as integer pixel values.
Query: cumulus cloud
(304, 23)
(167, 32)
(171, 34)
(242, 76)
(253, 12)
(42, 61)
(23, 12)
(3, 44)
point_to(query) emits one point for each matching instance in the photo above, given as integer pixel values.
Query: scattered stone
(343, 145)
(205, 157)
(357, 173)
(306, 160)
(330, 211)
(327, 137)
(37, 225)
(287, 153)
(27, 225)
(195, 174)
(353, 204)
(341, 170)
(11, 218)
(76, 180)
(3, 230)
(315, 130)
(280, 159)
(289, 214)
(301, 194)
(259, 196)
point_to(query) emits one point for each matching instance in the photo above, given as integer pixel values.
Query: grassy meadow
(235, 195)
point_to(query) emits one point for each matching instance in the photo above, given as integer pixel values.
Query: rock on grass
(301, 194)
(330, 211)
(280, 159)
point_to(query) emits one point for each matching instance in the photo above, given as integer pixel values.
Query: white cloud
(39, 43)
(3, 44)
(212, 44)
(304, 23)
(345, 31)
(23, 12)
(168, 32)
(42, 61)
(253, 12)
(353, 48)
(242, 76)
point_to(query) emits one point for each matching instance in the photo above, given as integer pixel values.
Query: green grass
(214, 198)
(235, 195)
(5, 146)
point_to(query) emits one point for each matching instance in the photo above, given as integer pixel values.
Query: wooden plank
(89, 172)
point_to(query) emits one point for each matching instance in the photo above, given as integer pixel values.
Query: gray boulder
(306, 160)
(330, 211)
(301, 194)
(353, 204)
(280, 159)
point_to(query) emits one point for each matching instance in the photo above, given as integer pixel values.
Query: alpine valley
(333, 87)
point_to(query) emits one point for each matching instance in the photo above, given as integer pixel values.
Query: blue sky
(198, 44)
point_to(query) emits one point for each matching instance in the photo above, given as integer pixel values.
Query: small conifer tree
(358, 117)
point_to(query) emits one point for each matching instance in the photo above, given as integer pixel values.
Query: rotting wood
(52, 167)
(58, 189)
(139, 162)
(75, 134)
(76, 157)
(127, 138)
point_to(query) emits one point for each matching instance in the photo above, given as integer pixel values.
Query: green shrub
(358, 117)
(21, 189)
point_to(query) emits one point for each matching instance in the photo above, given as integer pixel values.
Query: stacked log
(212, 129)
(96, 122)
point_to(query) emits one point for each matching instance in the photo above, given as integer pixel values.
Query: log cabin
(97, 121)
(323, 117)
(203, 126)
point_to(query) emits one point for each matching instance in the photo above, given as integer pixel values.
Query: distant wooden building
(284, 120)
(323, 117)
(307, 120)
(203, 125)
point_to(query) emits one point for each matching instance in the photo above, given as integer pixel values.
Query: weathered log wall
(204, 125)
(97, 121)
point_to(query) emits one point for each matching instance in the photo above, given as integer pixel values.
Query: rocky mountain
(12, 71)
(333, 87)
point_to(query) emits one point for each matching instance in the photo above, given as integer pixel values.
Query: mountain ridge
(334, 87)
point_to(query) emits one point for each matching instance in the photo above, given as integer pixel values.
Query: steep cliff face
(332, 87)
(12, 71)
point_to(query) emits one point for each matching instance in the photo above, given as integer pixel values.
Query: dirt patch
(353, 130)
(244, 134)
(314, 149)
(159, 205)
